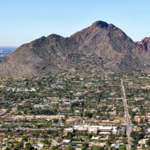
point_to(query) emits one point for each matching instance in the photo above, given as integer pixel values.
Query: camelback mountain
(109, 46)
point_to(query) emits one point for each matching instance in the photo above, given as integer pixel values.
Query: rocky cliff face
(144, 44)
(100, 40)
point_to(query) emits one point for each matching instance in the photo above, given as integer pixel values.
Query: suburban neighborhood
(71, 110)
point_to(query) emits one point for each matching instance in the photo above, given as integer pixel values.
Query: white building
(92, 130)
(95, 138)
(66, 130)
(114, 130)
(104, 132)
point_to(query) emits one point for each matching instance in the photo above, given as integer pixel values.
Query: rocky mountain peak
(101, 24)
(112, 27)
(144, 44)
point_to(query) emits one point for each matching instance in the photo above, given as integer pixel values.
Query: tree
(29, 146)
(54, 148)
(24, 138)
(123, 147)
(19, 145)
(7, 148)
(137, 136)
(89, 135)
(84, 148)
(73, 104)
(98, 148)
(69, 147)
(88, 114)
(82, 104)
(81, 114)
(148, 142)
(108, 142)
(55, 120)
(69, 134)
(45, 141)
(60, 95)
(85, 145)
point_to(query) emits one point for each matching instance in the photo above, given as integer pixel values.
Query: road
(29, 129)
(127, 117)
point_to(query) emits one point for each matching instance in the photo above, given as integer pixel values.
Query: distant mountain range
(8, 47)
(101, 44)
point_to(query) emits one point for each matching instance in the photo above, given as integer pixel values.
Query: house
(82, 129)
(105, 129)
(92, 110)
(142, 141)
(40, 145)
(78, 94)
(67, 103)
(106, 121)
(78, 148)
(39, 105)
(105, 133)
(114, 113)
(65, 143)
(70, 120)
(95, 138)
(115, 145)
(137, 119)
(147, 114)
(92, 130)
(136, 128)
(98, 117)
(77, 111)
(114, 130)
(97, 144)
(81, 79)
(116, 121)
(135, 109)
(66, 130)
(89, 84)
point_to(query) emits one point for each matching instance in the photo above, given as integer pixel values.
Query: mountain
(144, 44)
(101, 44)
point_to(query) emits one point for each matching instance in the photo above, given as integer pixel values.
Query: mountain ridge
(46, 54)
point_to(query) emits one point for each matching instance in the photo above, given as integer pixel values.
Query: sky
(22, 21)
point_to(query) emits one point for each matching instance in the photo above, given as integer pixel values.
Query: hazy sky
(22, 21)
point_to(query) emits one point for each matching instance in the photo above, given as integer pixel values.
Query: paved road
(28, 129)
(127, 117)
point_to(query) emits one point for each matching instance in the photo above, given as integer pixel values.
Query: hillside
(103, 44)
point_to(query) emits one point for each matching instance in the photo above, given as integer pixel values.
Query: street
(127, 117)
